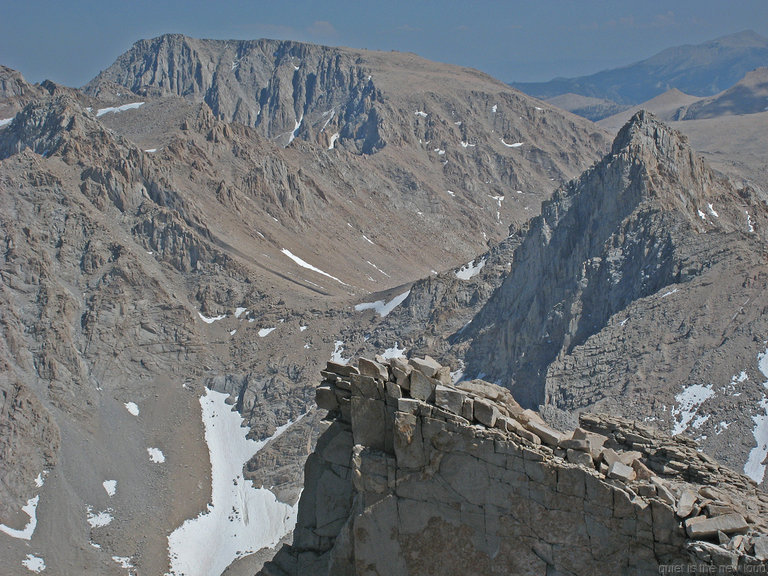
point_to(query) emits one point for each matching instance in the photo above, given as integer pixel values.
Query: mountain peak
(644, 129)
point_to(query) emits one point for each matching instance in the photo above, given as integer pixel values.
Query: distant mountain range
(701, 70)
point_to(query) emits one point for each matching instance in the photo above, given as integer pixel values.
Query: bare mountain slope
(701, 70)
(641, 280)
(748, 96)
(155, 247)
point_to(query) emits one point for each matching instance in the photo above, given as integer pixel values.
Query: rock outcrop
(643, 278)
(415, 475)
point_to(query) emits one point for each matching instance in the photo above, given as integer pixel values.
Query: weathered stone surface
(427, 365)
(422, 387)
(409, 448)
(373, 369)
(579, 457)
(369, 422)
(547, 434)
(341, 369)
(486, 412)
(364, 386)
(621, 471)
(727, 524)
(450, 496)
(761, 548)
(449, 398)
(609, 456)
(685, 503)
(571, 444)
(629, 457)
(402, 377)
(408, 405)
(325, 397)
(393, 394)
(467, 409)
(642, 471)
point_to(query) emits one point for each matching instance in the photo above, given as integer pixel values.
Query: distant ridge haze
(700, 70)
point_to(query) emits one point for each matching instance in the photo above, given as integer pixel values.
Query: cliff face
(417, 476)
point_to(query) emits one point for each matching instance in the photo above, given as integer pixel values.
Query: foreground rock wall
(417, 476)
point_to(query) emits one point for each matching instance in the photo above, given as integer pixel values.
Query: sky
(71, 41)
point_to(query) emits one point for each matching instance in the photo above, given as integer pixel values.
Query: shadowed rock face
(468, 482)
(649, 222)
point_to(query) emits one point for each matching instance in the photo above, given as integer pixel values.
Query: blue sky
(71, 41)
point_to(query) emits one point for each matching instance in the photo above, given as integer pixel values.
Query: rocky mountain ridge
(154, 248)
(701, 70)
(415, 475)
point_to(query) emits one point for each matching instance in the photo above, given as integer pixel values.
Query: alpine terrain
(207, 225)
(199, 223)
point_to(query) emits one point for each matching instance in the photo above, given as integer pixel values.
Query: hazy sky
(70, 41)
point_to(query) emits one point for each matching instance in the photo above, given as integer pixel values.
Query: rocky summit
(414, 475)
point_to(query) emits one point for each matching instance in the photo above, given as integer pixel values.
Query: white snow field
(25, 533)
(33, 563)
(241, 519)
(754, 467)
(381, 307)
(309, 266)
(123, 108)
(469, 270)
(689, 401)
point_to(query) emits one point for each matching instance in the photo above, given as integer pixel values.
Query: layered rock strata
(416, 475)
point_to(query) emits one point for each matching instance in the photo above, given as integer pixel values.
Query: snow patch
(211, 319)
(712, 210)
(239, 311)
(156, 455)
(749, 222)
(702, 215)
(393, 352)
(98, 519)
(467, 144)
(296, 127)
(332, 143)
(151, 150)
(33, 563)
(241, 519)
(123, 561)
(368, 239)
(688, 402)
(495, 107)
(6, 121)
(265, 331)
(110, 486)
(381, 307)
(450, 193)
(762, 363)
(308, 266)
(420, 113)
(754, 467)
(669, 293)
(30, 509)
(302, 328)
(338, 348)
(39, 481)
(132, 408)
(514, 145)
(378, 269)
(115, 109)
(469, 270)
